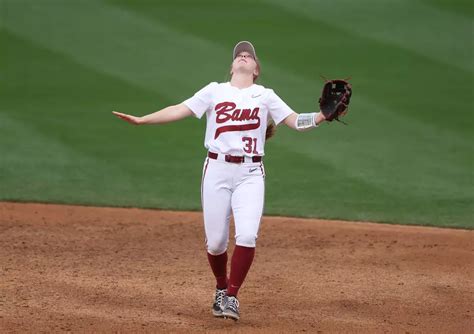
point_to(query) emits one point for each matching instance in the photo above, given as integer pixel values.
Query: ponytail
(271, 129)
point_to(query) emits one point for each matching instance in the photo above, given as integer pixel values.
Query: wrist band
(306, 121)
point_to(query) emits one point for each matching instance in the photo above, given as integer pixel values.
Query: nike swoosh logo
(253, 169)
(254, 96)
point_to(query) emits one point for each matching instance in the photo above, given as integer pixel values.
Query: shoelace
(233, 304)
(220, 294)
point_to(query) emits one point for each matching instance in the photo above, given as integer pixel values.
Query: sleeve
(200, 102)
(277, 108)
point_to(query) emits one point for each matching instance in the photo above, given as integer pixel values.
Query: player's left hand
(335, 99)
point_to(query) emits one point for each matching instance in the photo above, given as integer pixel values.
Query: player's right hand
(128, 118)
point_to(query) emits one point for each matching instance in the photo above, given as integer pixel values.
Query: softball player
(233, 178)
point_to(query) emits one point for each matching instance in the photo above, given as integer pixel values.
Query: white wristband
(305, 121)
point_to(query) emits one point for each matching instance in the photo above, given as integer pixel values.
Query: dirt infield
(84, 269)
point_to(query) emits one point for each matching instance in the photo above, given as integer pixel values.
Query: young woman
(233, 179)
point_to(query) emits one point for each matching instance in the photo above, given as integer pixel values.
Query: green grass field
(406, 156)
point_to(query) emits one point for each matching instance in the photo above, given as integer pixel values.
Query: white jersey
(237, 118)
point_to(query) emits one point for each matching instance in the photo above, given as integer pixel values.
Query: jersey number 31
(250, 145)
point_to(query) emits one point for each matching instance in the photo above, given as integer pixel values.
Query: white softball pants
(232, 188)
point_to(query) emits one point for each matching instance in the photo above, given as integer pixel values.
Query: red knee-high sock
(219, 268)
(240, 265)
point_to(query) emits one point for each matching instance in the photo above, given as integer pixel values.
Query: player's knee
(216, 247)
(246, 240)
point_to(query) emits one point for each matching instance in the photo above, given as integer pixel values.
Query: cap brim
(244, 46)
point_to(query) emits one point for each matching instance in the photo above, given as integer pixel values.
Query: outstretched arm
(166, 115)
(290, 121)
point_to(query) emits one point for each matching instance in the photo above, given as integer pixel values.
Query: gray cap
(244, 46)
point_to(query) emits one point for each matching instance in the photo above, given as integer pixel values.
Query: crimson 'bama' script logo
(226, 111)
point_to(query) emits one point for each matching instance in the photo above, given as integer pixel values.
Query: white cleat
(230, 308)
(219, 296)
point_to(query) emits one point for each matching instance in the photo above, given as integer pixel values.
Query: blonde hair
(255, 76)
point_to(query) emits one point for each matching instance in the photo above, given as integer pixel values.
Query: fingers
(119, 114)
(122, 116)
(129, 118)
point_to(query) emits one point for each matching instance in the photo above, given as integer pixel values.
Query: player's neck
(241, 80)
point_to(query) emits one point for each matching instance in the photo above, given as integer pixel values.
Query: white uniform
(236, 127)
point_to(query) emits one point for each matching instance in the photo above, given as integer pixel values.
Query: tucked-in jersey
(237, 118)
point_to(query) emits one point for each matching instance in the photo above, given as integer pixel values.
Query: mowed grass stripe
(461, 7)
(424, 29)
(62, 144)
(113, 41)
(400, 155)
(385, 188)
(43, 169)
(317, 190)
